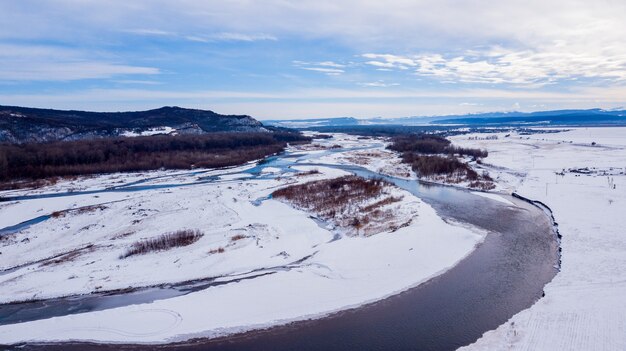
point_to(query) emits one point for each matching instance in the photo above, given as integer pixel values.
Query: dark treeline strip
(427, 166)
(384, 130)
(432, 156)
(70, 158)
(432, 144)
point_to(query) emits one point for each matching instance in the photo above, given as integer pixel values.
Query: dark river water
(503, 276)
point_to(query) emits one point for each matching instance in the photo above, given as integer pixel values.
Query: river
(503, 276)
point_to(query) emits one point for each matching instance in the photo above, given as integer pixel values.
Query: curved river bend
(503, 276)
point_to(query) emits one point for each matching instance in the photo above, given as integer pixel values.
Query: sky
(282, 59)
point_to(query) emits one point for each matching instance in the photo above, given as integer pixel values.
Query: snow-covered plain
(585, 305)
(311, 273)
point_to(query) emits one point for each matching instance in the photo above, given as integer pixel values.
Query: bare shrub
(216, 251)
(80, 210)
(89, 209)
(237, 237)
(482, 185)
(164, 242)
(381, 203)
(122, 235)
(57, 214)
(69, 256)
(306, 173)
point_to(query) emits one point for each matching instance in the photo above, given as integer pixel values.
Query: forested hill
(22, 124)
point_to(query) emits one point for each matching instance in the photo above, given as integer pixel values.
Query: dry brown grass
(68, 257)
(80, 210)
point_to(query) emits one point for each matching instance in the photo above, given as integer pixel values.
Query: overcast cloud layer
(296, 59)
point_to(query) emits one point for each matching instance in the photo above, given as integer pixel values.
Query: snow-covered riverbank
(311, 274)
(584, 307)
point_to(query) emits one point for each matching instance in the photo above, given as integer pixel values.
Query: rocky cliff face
(21, 124)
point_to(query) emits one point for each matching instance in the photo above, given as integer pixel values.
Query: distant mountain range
(22, 124)
(542, 118)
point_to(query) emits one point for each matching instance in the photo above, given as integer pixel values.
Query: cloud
(48, 63)
(498, 65)
(66, 71)
(303, 103)
(242, 37)
(231, 37)
(403, 25)
(204, 38)
(137, 81)
(328, 67)
(602, 94)
(156, 32)
(330, 64)
(328, 71)
(536, 52)
(390, 61)
(379, 84)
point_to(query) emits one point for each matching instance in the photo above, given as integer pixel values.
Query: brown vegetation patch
(325, 196)
(216, 251)
(57, 214)
(237, 237)
(80, 210)
(307, 173)
(381, 203)
(22, 184)
(164, 242)
(359, 206)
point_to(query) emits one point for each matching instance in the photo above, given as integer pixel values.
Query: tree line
(107, 155)
(432, 144)
(434, 156)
